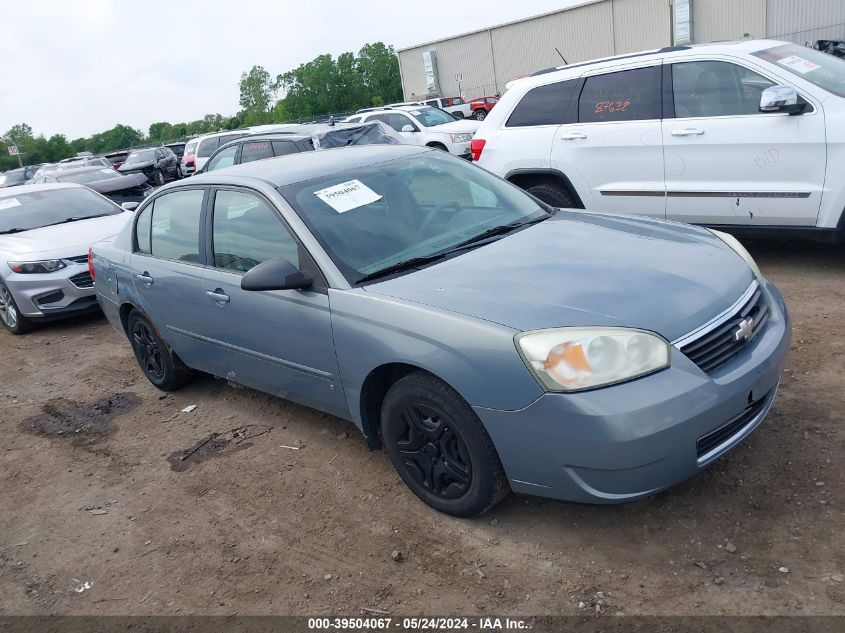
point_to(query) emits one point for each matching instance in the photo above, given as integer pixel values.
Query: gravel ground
(286, 512)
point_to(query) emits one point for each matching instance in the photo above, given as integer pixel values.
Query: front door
(276, 341)
(727, 162)
(615, 145)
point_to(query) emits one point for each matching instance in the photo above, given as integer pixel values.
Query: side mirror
(408, 128)
(276, 274)
(129, 206)
(781, 99)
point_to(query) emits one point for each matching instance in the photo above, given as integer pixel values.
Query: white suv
(747, 135)
(424, 125)
(197, 150)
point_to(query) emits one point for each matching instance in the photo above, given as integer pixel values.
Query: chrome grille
(721, 341)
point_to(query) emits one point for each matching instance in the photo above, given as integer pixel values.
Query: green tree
(257, 92)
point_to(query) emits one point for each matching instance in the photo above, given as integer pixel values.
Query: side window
(378, 117)
(224, 158)
(229, 137)
(208, 147)
(702, 89)
(433, 102)
(246, 232)
(142, 230)
(629, 95)
(282, 148)
(543, 105)
(398, 121)
(256, 150)
(176, 224)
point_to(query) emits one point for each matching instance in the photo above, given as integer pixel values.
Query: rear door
(167, 269)
(613, 143)
(727, 162)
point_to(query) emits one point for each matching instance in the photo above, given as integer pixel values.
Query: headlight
(460, 138)
(740, 250)
(44, 266)
(574, 358)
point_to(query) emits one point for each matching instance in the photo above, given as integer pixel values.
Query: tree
(379, 71)
(257, 93)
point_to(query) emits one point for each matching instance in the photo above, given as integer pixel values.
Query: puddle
(67, 418)
(214, 445)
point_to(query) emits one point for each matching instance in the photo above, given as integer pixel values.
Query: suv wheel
(480, 114)
(179, 174)
(158, 177)
(158, 362)
(553, 194)
(440, 448)
(10, 317)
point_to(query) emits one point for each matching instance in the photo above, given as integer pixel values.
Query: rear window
(543, 105)
(629, 95)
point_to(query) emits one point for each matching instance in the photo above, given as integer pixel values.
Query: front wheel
(480, 115)
(10, 316)
(160, 365)
(158, 177)
(440, 448)
(179, 174)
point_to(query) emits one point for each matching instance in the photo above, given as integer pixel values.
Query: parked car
(831, 47)
(198, 150)
(116, 187)
(720, 149)
(177, 148)
(17, 177)
(79, 161)
(158, 165)
(45, 233)
(117, 158)
(481, 106)
(305, 138)
(425, 125)
(486, 340)
(455, 106)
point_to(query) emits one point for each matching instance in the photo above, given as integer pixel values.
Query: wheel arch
(525, 178)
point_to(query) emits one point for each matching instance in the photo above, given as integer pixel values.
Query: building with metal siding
(483, 61)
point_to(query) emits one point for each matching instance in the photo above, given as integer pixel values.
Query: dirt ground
(109, 520)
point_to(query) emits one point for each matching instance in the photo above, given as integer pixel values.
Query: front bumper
(632, 440)
(54, 295)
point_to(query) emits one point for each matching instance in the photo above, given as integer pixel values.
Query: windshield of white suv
(430, 117)
(821, 69)
(36, 209)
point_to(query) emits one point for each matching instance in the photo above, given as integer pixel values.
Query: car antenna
(561, 56)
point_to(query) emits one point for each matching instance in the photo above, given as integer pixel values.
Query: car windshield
(84, 177)
(374, 217)
(430, 117)
(35, 209)
(12, 177)
(821, 69)
(141, 156)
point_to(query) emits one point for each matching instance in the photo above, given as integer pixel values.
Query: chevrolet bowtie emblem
(744, 330)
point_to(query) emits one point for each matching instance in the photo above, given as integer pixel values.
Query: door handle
(145, 277)
(573, 136)
(688, 131)
(218, 295)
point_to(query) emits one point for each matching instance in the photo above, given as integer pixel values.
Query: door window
(175, 226)
(544, 105)
(710, 88)
(398, 121)
(282, 148)
(246, 232)
(256, 150)
(142, 230)
(225, 158)
(629, 95)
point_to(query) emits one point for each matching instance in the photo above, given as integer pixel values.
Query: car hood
(135, 166)
(63, 240)
(579, 269)
(468, 126)
(117, 184)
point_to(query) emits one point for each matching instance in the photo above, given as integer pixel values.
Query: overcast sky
(82, 66)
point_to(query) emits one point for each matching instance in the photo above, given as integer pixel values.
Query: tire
(158, 177)
(553, 194)
(480, 114)
(179, 174)
(160, 365)
(439, 146)
(440, 448)
(10, 316)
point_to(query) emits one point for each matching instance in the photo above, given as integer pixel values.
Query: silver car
(45, 233)
(487, 341)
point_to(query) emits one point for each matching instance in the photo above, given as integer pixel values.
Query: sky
(81, 66)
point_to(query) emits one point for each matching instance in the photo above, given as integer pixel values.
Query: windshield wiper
(15, 230)
(414, 262)
(77, 218)
(495, 231)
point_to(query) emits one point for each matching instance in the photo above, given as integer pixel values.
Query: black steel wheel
(440, 448)
(155, 358)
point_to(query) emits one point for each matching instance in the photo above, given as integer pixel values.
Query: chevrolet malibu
(486, 341)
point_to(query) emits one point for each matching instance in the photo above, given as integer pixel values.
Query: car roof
(213, 134)
(10, 192)
(267, 136)
(83, 170)
(286, 170)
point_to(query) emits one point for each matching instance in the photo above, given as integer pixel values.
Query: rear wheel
(440, 448)
(480, 114)
(179, 175)
(10, 316)
(553, 194)
(155, 358)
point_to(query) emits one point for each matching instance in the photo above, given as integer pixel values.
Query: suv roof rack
(665, 49)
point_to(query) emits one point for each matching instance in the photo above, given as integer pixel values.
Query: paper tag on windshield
(798, 64)
(8, 203)
(347, 195)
